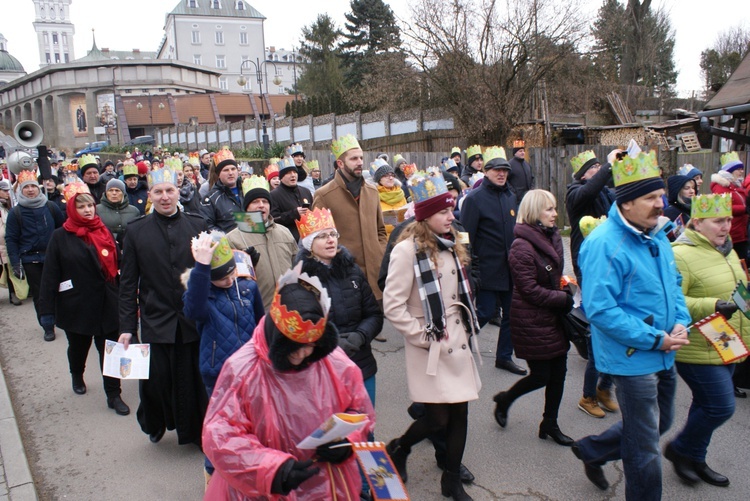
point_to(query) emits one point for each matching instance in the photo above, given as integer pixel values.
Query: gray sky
(124, 26)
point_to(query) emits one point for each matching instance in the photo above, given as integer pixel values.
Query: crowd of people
(260, 293)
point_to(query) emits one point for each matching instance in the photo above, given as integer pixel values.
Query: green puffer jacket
(707, 276)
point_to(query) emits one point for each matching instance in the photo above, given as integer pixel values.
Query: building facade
(54, 31)
(10, 67)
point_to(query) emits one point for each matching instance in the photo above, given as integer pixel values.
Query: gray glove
(351, 342)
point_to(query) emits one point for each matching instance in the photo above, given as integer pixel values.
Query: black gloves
(18, 271)
(351, 342)
(568, 303)
(291, 474)
(726, 308)
(335, 455)
(254, 255)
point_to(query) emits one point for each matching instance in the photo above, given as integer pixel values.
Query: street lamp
(260, 76)
(139, 107)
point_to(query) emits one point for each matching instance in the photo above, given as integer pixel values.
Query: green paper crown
(253, 182)
(455, 150)
(473, 150)
(173, 163)
(312, 165)
(705, 206)
(344, 144)
(494, 152)
(129, 170)
(730, 157)
(632, 169)
(222, 253)
(424, 186)
(579, 160)
(90, 159)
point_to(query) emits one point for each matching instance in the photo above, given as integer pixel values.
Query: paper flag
(385, 484)
(722, 337)
(741, 298)
(250, 222)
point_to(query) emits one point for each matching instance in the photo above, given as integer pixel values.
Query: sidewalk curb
(18, 477)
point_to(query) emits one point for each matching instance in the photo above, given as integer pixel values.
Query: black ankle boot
(451, 487)
(501, 409)
(399, 455)
(683, 466)
(79, 387)
(551, 429)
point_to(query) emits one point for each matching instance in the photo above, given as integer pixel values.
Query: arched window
(240, 5)
(216, 4)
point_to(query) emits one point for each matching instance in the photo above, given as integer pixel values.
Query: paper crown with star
(163, 175)
(73, 189)
(343, 144)
(314, 221)
(730, 160)
(289, 322)
(581, 159)
(705, 206)
(636, 168)
(425, 185)
(494, 152)
(173, 163)
(254, 182)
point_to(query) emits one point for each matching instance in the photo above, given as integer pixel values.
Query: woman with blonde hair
(536, 265)
(433, 309)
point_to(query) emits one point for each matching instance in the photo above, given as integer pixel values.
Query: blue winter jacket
(630, 280)
(27, 241)
(225, 318)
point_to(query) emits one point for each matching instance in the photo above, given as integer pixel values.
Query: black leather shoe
(79, 387)
(494, 321)
(49, 335)
(683, 466)
(510, 366)
(594, 473)
(501, 409)
(118, 405)
(738, 393)
(155, 437)
(710, 476)
(398, 455)
(467, 477)
(553, 431)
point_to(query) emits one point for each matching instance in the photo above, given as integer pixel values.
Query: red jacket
(720, 183)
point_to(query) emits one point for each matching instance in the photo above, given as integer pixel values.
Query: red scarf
(93, 232)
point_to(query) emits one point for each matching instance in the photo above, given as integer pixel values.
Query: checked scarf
(430, 295)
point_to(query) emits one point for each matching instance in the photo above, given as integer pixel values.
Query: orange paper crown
(271, 171)
(519, 143)
(224, 156)
(409, 170)
(315, 221)
(290, 323)
(26, 176)
(73, 189)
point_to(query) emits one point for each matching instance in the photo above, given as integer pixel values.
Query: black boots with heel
(399, 455)
(553, 431)
(451, 487)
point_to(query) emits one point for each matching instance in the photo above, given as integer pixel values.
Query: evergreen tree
(323, 74)
(719, 61)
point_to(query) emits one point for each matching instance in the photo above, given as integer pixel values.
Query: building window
(49, 60)
(196, 37)
(215, 4)
(67, 57)
(221, 62)
(240, 5)
(278, 71)
(243, 38)
(281, 89)
(219, 38)
(45, 35)
(193, 4)
(65, 38)
(54, 38)
(223, 83)
(197, 59)
(57, 57)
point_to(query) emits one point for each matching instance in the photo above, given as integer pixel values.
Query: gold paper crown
(344, 144)
(26, 176)
(705, 206)
(730, 159)
(271, 171)
(164, 175)
(173, 163)
(579, 160)
(494, 152)
(313, 165)
(73, 189)
(587, 224)
(637, 168)
(87, 160)
(253, 182)
(519, 143)
(409, 170)
(426, 185)
(70, 166)
(290, 323)
(194, 159)
(129, 170)
(314, 221)
(473, 150)
(224, 156)
(455, 150)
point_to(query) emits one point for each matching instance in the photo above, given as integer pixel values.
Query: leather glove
(568, 303)
(254, 255)
(47, 321)
(351, 342)
(291, 474)
(336, 455)
(18, 271)
(726, 308)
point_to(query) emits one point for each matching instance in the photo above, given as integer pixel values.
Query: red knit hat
(142, 168)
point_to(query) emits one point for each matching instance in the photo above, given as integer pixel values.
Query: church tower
(54, 31)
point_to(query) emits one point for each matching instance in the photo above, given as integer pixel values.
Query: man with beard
(156, 252)
(355, 206)
(637, 311)
(136, 187)
(90, 176)
(521, 176)
(275, 248)
(290, 201)
(224, 198)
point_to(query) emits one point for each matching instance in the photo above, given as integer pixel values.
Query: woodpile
(622, 136)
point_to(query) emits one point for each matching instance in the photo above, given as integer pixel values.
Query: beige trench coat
(456, 378)
(360, 225)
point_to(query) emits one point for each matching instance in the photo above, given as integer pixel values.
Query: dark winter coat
(27, 242)
(59, 200)
(98, 189)
(117, 216)
(225, 318)
(219, 206)
(156, 253)
(538, 302)
(521, 177)
(354, 310)
(466, 174)
(189, 197)
(89, 304)
(676, 208)
(587, 198)
(138, 196)
(284, 203)
(489, 215)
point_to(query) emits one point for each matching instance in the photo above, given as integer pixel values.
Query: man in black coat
(288, 201)
(489, 216)
(521, 177)
(225, 196)
(135, 188)
(90, 176)
(155, 254)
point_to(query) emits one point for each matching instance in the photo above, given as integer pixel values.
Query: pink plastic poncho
(257, 415)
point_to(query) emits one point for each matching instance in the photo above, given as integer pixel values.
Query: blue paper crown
(164, 175)
(424, 186)
(293, 149)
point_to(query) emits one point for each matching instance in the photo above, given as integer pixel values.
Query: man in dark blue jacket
(225, 197)
(489, 215)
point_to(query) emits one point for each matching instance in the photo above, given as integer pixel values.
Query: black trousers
(78, 352)
(549, 374)
(450, 419)
(33, 273)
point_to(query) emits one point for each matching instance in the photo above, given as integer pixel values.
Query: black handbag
(577, 330)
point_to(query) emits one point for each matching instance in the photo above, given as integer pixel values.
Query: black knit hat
(631, 191)
(254, 194)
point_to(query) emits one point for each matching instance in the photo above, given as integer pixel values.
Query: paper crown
(245, 167)
(69, 166)
(519, 143)
(254, 182)
(449, 164)
(287, 163)
(378, 163)
(343, 144)
(26, 176)
(222, 255)
(224, 157)
(129, 170)
(686, 169)
(294, 149)
(473, 150)
(290, 323)
(409, 170)
(173, 163)
(587, 224)
(313, 165)
(579, 160)
(424, 186)
(398, 158)
(314, 221)
(494, 152)
(73, 189)
(271, 171)
(194, 159)
(164, 175)
(87, 160)
(730, 159)
(477, 176)
(636, 168)
(455, 151)
(705, 206)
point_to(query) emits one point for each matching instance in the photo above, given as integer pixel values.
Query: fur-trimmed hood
(725, 179)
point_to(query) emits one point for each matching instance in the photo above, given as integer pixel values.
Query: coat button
(458, 321)
(453, 296)
(463, 346)
(450, 350)
(440, 275)
(453, 272)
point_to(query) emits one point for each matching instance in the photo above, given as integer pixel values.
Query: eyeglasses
(390, 174)
(325, 236)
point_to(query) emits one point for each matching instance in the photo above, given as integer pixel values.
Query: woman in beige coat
(440, 368)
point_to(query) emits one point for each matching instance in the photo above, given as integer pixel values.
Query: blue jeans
(592, 376)
(712, 406)
(487, 303)
(647, 406)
